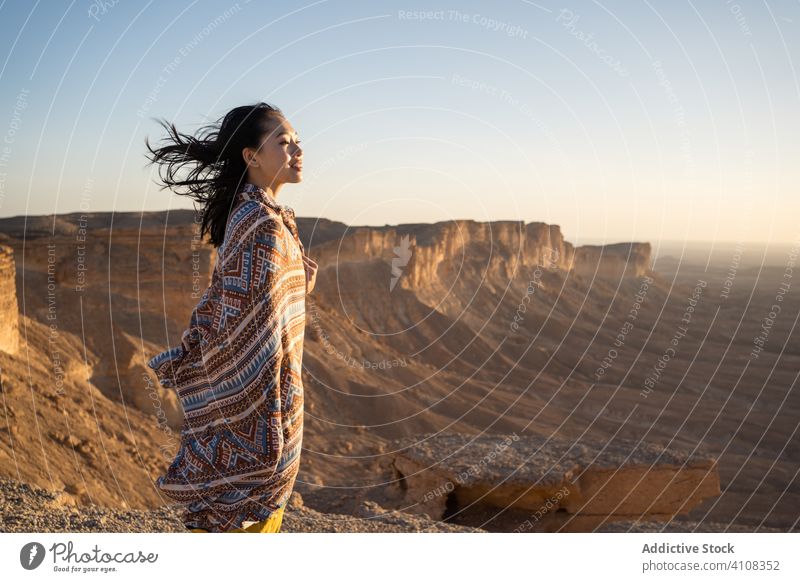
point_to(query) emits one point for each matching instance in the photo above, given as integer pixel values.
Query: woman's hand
(311, 273)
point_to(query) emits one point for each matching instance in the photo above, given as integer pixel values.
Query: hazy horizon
(588, 240)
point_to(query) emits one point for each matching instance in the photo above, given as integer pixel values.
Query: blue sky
(617, 120)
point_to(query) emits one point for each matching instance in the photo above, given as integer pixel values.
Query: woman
(237, 369)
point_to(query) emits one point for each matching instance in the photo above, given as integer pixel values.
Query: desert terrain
(630, 382)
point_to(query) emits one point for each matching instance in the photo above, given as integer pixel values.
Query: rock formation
(560, 485)
(9, 310)
(502, 245)
(123, 282)
(613, 261)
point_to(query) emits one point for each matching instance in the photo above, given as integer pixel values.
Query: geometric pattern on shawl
(237, 374)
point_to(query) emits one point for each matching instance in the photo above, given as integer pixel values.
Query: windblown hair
(214, 159)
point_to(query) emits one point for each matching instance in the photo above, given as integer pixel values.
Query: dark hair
(214, 156)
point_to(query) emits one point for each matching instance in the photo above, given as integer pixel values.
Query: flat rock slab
(562, 485)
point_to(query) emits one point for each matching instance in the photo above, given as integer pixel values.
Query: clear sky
(617, 120)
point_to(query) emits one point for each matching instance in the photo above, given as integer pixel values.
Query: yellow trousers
(270, 525)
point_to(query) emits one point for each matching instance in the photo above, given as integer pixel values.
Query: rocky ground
(26, 508)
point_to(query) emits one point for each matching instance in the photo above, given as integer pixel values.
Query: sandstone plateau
(564, 485)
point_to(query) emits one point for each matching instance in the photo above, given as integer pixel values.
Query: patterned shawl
(237, 373)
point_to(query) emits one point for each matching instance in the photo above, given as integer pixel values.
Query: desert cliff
(9, 310)
(466, 328)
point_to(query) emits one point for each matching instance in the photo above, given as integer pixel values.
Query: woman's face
(279, 158)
